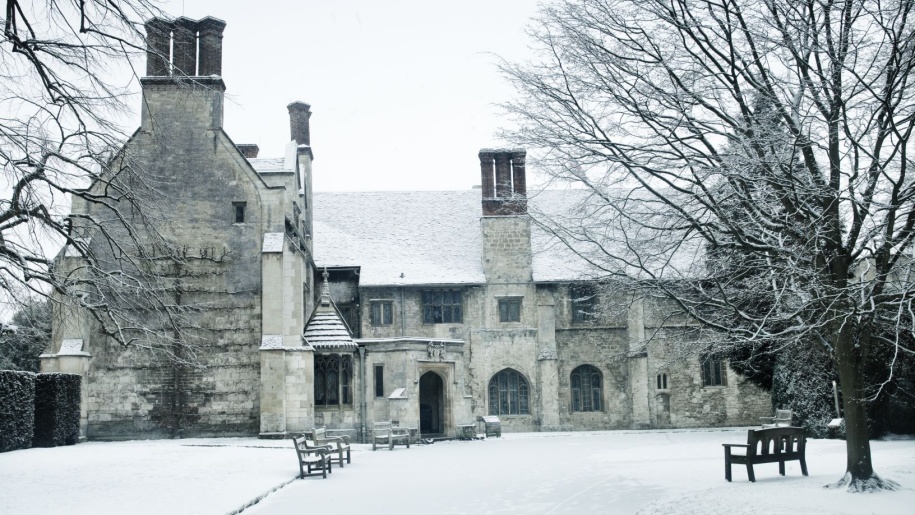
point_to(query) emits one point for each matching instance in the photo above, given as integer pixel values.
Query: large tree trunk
(859, 450)
(859, 474)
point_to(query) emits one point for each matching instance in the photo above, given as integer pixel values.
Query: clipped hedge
(17, 409)
(56, 410)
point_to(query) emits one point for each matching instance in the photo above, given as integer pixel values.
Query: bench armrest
(727, 447)
(339, 440)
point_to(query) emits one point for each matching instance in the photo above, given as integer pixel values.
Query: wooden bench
(312, 457)
(769, 445)
(782, 418)
(338, 444)
(385, 433)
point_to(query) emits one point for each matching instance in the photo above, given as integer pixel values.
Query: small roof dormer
(326, 329)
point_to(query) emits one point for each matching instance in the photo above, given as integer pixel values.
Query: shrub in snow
(802, 382)
(17, 409)
(56, 410)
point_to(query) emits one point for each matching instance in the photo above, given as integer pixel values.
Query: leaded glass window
(713, 372)
(509, 310)
(442, 307)
(509, 394)
(333, 379)
(382, 312)
(586, 389)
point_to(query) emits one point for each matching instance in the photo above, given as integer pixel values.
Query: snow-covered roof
(433, 237)
(401, 238)
(268, 164)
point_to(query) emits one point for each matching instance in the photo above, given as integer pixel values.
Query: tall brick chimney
(504, 183)
(176, 57)
(209, 61)
(184, 47)
(158, 47)
(299, 114)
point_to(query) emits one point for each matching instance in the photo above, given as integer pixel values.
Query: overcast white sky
(403, 91)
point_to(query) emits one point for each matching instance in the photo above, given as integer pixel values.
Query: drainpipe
(362, 407)
(403, 308)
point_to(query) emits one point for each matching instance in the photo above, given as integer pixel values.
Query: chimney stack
(173, 60)
(209, 60)
(249, 150)
(299, 113)
(504, 185)
(172, 47)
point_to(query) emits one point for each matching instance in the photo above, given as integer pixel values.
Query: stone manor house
(338, 309)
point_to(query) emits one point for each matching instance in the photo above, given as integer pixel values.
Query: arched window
(333, 377)
(586, 387)
(509, 394)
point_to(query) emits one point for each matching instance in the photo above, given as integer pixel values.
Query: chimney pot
(486, 173)
(185, 47)
(519, 181)
(210, 58)
(503, 174)
(158, 43)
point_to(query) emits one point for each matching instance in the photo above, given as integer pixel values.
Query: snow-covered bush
(56, 410)
(802, 382)
(17, 409)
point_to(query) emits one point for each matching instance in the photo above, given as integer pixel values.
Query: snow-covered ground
(649, 472)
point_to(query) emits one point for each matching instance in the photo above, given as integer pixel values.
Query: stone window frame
(583, 301)
(442, 306)
(333, 383)
(713, 372)
(510, 307)
(239, 212)
(509, 393)
(590, 378)
(381, 312)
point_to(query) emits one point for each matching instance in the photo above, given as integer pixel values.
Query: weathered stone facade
(437, 307)
(215, 213)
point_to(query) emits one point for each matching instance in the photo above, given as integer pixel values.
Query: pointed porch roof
(326, 329)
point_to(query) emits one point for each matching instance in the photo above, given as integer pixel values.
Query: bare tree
(67, 181)
(59, 94)
(748, 160)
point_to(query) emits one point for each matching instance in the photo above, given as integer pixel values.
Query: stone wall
(195, 175)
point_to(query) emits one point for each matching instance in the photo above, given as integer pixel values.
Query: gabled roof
(326, 329)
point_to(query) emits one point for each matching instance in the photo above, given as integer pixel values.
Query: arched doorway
(431, 404)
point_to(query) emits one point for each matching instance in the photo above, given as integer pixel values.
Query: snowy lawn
(601, 472)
